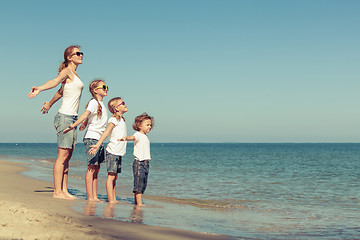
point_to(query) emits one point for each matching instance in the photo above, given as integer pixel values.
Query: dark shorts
(141, 172)
(62, 122)
(98, 157)
(113, 163)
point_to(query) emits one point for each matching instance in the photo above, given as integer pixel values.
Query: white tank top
(71, 96)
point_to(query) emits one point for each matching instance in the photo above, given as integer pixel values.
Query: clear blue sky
(208, 71)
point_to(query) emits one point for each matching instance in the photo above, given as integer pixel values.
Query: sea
(244, 190)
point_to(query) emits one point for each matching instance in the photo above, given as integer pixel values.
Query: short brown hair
(139, 119)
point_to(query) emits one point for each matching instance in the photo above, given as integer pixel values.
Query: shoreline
(28, 211)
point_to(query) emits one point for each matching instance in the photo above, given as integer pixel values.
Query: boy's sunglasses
(104, 87)
(78, 54)
(123, 103)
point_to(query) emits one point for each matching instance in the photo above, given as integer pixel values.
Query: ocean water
(252, 191)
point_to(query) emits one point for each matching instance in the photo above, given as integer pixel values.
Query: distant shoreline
(202, 142)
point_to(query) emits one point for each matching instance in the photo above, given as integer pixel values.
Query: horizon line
(285, 142)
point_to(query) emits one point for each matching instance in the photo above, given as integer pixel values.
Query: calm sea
(253, 191)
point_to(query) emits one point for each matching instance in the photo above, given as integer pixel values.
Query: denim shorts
(61, 122)
(113, 162)
(98, 157)
(141, 172)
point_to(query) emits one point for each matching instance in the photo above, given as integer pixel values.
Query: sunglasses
(123, 103)
(103, 87)
(78, 54)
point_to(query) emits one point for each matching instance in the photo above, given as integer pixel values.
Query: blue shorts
(141, 172)
(61, 122)
(98, 157)
(113, 162)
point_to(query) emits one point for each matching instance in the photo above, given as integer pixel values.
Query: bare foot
(60, 195)
(69, 196)
(94, 200)
(137, 207)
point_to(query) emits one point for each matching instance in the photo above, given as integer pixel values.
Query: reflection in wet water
(90, 208)
(109, 210)
(125, 212)
(137, 215)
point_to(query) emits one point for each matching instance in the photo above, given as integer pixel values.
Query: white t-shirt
(71, 97)
(96, 126)
(141, 146)
(119, 131)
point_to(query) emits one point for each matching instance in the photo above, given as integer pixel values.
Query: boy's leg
(138, 199)
(136, 173)
(140, 171)
(114, 189)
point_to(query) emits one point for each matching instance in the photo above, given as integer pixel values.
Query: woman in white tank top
(70, 90)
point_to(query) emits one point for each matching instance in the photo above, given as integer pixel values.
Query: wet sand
(28, 211)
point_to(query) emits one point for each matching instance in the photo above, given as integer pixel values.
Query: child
(142, 125)
(96, 116)
(115, 149)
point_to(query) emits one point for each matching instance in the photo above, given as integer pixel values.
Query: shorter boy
(143, 124)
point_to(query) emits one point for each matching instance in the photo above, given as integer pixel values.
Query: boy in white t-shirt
(143, 124)
(115, 149)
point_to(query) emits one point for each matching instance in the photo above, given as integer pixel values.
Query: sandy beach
(28, 211)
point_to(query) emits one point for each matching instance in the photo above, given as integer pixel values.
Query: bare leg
(111, 187)
(88, 182)
(114, 189)
(58, 172)
(65, 179)
(95, 182)
(138, 199)
(91, 182)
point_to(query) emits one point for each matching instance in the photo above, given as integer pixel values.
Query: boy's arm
(108, 130)
(48, 105)
(127, 138)
(80, 120)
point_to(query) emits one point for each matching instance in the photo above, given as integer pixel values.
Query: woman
(71, 89)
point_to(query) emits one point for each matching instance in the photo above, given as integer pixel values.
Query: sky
(207, 70)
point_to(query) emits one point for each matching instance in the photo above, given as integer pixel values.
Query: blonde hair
(67, 53)
(111, 106)
(139, 119)
(92, 86)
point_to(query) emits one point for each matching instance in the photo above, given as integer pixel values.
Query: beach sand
(28, 211)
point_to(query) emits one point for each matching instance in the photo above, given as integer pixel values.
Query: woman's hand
(34, 92)
(68, 129)
(45, 108)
